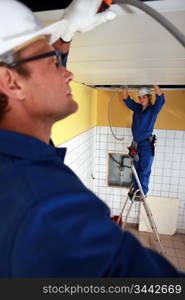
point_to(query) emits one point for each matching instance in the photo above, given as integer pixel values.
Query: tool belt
(152, 139)
(134, 145)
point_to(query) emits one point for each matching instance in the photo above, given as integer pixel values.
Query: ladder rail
(146, 207)
(129, 209)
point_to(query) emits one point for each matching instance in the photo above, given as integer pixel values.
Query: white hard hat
(144, 91)
(19, 25)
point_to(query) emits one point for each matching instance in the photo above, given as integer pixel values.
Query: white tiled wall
(168, 171)
(81, 154)
(87, 156)
(168, 175)
(114, 197)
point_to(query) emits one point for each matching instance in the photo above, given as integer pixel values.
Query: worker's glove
(82, 16)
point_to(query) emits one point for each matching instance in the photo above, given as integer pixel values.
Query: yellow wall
(172, 115)
(93, 111)
(82, 120)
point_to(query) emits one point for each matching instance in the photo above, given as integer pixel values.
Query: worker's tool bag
(133, 151)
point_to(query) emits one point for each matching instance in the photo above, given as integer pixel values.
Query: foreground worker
(51, 224)
(144, 117)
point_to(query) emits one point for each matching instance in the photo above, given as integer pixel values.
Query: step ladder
(143, 201)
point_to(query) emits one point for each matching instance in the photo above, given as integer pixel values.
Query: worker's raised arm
(130, 103)
(63, 47)
(81, 16)
(125, 93)
(160, 99)
(157, 90)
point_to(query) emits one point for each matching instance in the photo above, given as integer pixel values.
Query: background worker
(51, 224)
(144, 118)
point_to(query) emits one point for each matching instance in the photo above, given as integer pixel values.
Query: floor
(174, 246)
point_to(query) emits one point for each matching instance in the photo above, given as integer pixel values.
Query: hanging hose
(109, 117)
(158, 17)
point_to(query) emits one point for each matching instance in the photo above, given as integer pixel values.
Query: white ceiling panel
(132, 49)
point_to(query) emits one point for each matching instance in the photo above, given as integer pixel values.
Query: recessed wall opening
(119, 170)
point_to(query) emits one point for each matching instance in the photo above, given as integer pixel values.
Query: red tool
(104, 5)
(132, 151)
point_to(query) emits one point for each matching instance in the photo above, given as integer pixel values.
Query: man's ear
(11, 84)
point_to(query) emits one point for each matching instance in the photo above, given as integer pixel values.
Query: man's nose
(68, 75)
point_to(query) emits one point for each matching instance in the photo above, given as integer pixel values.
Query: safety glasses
(141, 97)
(56, 53)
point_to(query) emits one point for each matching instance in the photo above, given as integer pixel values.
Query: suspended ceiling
(133, 49)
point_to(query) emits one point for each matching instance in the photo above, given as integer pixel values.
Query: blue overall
(142, 128)
(53, 226)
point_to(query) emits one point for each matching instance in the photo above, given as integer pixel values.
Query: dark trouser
(143, 166)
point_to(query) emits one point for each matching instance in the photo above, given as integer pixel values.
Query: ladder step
(147, 209)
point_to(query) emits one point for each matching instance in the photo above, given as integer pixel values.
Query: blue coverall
(53, 226)
(142, 128)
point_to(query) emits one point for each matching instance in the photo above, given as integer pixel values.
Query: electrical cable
(109, 117)
(119, 163)
(158, 17)
(114, 159)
